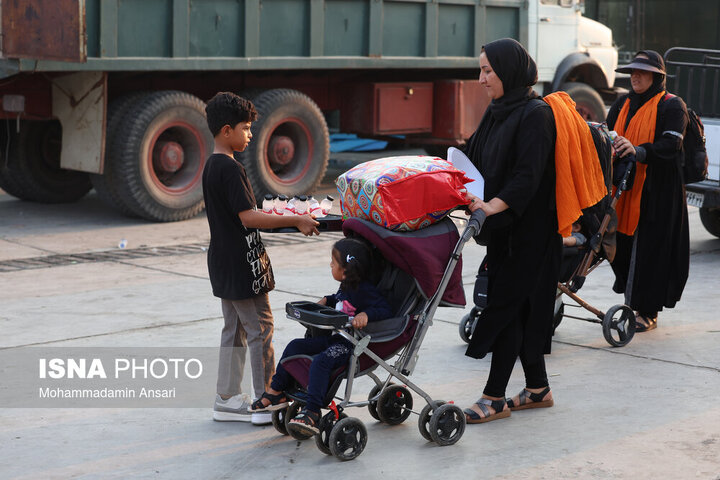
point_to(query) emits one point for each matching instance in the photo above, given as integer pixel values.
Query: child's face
(338, 272)
(239, 137)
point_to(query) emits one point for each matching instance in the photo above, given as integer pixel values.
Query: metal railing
(694, 75)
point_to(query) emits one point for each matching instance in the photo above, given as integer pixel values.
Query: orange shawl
(641, 129)
(579, 179)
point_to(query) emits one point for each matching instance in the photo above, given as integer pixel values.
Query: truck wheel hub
(281, 150)
(170, 156)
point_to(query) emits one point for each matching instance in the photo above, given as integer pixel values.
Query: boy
(239, 267)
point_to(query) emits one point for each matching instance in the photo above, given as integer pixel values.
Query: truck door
(44, 30)
(557, 34)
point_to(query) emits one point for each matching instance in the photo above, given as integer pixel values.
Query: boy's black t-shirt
(238, 264)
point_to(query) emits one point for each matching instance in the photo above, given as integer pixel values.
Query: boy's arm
(255, 219)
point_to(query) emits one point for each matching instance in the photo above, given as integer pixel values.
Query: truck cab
(574, 54)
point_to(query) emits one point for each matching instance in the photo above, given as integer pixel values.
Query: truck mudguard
(592, 71)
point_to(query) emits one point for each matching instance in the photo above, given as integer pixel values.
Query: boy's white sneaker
(261, 418)
(234, 409)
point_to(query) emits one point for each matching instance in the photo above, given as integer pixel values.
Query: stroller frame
(346, 437)
(618, 323)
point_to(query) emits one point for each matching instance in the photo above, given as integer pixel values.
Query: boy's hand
(360, 320)
(307, 225)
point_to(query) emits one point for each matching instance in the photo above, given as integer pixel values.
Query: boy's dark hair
(226, 108)
(354, 256)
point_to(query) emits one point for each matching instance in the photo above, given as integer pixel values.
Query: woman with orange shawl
(653, 254)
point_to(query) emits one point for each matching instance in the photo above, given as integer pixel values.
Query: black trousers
(508, 346)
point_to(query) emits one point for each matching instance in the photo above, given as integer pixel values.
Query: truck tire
(105, 184)
(32, 171)
(588, 102)
(290, 148)
(158, 154)
(710, 218)
(8, 173)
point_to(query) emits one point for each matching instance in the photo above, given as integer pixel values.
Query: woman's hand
(473, 202)
(623, 147)
(360, 320)
(492, 207)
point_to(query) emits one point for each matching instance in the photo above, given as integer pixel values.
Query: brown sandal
(528, 399)
(497, 405)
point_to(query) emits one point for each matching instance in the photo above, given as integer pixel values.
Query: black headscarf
(637, 100)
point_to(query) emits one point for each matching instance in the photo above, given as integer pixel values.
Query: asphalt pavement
(645, 410)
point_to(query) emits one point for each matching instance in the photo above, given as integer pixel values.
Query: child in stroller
(416, 272)
(359, 299)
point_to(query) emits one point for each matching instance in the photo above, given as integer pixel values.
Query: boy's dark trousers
(330, 353)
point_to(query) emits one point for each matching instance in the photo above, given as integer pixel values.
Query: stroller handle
(477, 218)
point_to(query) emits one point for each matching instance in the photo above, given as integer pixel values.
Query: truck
(693, 74)
(109, 94)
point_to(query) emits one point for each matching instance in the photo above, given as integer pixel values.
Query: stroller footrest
(315, 314)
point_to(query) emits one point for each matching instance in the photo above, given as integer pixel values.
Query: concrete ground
(646, 410)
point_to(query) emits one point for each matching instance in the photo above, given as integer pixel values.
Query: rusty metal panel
(44, 29)
(387, 108)
(458, 108)
(404, 108)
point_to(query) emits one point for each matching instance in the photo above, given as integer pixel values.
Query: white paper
(460, 161)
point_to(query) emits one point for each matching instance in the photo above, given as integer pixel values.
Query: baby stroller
(418, 274)
(598, 224)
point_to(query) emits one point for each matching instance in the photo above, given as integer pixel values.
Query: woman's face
(641, 80)
(489, 79)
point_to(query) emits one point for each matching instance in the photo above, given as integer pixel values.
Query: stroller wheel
(322, 439)
(394, 405)
(347, 439)
(467, 324)
(447, 424)
(372, 406)
(424, 419)
(278, 420)
(619, 325)
(291, 413)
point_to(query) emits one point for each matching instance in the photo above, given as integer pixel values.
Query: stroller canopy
(423, 254)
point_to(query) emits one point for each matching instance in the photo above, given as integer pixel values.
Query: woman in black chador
(514, 150)
(653, 243)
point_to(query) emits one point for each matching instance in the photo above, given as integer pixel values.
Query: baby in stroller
(360, 300)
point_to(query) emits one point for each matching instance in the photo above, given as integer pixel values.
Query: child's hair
(226, 108)
(354, 257)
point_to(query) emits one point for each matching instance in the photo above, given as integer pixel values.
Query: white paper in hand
(460, 161)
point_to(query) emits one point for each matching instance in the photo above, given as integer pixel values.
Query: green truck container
(109, 94)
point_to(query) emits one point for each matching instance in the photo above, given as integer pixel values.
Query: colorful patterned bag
(401, 193)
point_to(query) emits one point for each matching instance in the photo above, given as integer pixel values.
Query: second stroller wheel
(447, 424)
(322, 439)
(291, 413)
(467, 324)
(618, 325)
(278, 420)
(347, 439)
(372, 406)
(424, 419)
(394, 405)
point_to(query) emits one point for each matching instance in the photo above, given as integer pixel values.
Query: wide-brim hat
(651, 64)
